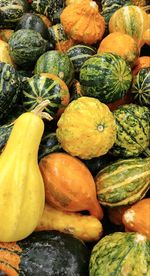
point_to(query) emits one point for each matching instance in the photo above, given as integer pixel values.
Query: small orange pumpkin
(115, 43)
(69, 185)
(83, 22)
(140, 63)
(137, 218)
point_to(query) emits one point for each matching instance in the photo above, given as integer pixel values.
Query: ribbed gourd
(123, 182)
(22, 194)
(121, 254)
(133, 130)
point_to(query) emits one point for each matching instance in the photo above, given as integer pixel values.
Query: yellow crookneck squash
(22, 194)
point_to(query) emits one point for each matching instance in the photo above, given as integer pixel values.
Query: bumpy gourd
(21, 184)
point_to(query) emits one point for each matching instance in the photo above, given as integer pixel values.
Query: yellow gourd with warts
(22, 194)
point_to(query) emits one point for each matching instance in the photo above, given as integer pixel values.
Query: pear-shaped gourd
(21, 185)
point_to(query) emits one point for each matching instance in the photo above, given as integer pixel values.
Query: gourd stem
(38, 110)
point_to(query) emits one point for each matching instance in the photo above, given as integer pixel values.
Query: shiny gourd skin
(21, 184)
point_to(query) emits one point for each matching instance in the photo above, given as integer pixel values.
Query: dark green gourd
(105, 76)
(9, 88)
(26, 46)
(133, 130)
(33, 22)
(45, 253)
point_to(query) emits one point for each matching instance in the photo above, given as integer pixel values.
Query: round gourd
(49, 8)
(105, 76)
(86, 128)
(140, 88)
(45, 253)
(57, 63)
(131, 20)
(11, 12)
(79, 54)
(83, 22)
(9, 89)
(123, 182)
(57, 34)
(42, 87)
(120, 253)
(33, 22)
(115, 43)
(133, 130)
(141, 62)
(26, 46)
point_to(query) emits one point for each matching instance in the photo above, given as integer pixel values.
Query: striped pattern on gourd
(79, 54)
(133, 130)
(9, 88)
(121, 254)
(40, 87)
(123, 182)
(141, 87)
(105, 76)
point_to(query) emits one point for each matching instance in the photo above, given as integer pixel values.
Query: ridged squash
(21, 184)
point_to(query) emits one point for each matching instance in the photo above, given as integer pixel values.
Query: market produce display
(74, 138)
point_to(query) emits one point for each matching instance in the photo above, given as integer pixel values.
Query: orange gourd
(69, 185)
(146, 36)
(137, 218)
(140, 63)
(121, 44)
(83, 22)
(115, 214)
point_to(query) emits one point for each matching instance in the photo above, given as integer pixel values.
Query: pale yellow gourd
(22, 194)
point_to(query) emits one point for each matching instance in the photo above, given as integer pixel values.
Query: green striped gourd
(141, 87)
(49, 144)
(50, 8)
(11, 12)
(9, 88)
(79, 54)
(105, 76)
(131, 20)
(123, 182)
(57, 33)
(57, 63)
(26, 46)
(45, 87)
(121, 254)
(133, 130)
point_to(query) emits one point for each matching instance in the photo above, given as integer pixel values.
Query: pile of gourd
(74, 137)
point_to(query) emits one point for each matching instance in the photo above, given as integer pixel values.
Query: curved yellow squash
(21, 185)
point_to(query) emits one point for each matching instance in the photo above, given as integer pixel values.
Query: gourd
(131, 20)
(69, 185)
(33, 22)
(10, 88)
(42, 87)
(79, 54)
(82, 128)
(21, 54)
(141, 62)
(140, 88)
(121, 253)
(136, 218)
(133, 130)
(105, 76)
(50, 8)
(86, 228)
(5, 53)
(6, 34)
(115, 214)
(146, 36)
(11, 12)
(48, 144)
(45, 253)
(123, 182)
(22, 189)
(83, 22)
(58, 37)
(57, 63)
(114, 43)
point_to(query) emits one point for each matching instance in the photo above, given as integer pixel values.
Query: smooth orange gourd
(137, 218)
(83, 22)
(69, 185)
(121, 44)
